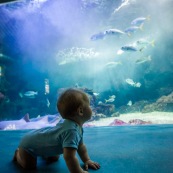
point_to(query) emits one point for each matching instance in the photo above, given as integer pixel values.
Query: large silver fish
(114, 32)
(133, 29)
(143, 60)
(145, 42)
(29, 94)
(132, 83)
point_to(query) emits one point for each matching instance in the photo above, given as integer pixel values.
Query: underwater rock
(139, 122)
(118, 122)
(106, 109)
(163, 104)
(13, 124)
(136, 107)
(152, 107)
(164, 91)
(116, 114)
(97, 117)
(33, 123)
(166, 99)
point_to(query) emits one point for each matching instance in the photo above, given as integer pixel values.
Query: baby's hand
(91, 164)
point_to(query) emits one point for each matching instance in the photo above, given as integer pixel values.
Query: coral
(164, 103)
(116, 114)
(166, 99)
(136, 107)
(106, 109)
(138, 121)
(97, 117)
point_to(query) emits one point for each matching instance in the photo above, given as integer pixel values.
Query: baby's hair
(69, 101)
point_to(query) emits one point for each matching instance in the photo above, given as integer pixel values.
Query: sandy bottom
(153, 117)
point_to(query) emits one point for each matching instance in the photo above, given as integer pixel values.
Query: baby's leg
(24, 159)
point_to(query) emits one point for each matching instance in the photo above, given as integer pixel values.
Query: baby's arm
(82, 151)
(72, 161)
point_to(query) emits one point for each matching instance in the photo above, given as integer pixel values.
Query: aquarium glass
(117, 51)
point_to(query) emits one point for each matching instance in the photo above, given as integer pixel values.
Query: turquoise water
(49, 45)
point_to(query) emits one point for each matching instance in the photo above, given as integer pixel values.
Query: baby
(65, 138)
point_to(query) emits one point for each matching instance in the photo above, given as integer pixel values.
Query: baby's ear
(80, 110)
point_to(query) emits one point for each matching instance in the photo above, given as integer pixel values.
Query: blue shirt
(50, 141)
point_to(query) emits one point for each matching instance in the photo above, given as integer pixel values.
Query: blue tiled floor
(122, 149)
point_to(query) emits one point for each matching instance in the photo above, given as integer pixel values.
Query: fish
(114, 32)
(143, 60)
(129, 103)
(140, 20)
(119, 52)
(100, 103)
(137, 84)
(30, 94)
(96, 94)
(145, 42)
(113, 96)
(46, 86)
(98, 36)
(111, 99)
(47, 102)
(133, 29)
(132, 83)
(113, 64)
(129, 48)
(77, 85)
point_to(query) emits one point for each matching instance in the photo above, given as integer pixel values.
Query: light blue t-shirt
(50, 141)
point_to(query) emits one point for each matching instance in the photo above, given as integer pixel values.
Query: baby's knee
(26, 160)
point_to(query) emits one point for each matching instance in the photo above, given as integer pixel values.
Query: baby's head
(69, 101)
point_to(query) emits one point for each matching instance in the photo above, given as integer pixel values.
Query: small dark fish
(129, 48)
(133, 29)
(114, 32)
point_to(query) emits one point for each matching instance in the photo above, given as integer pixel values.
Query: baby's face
(87, 110)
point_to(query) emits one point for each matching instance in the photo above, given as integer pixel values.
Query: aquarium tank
(119, 52)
